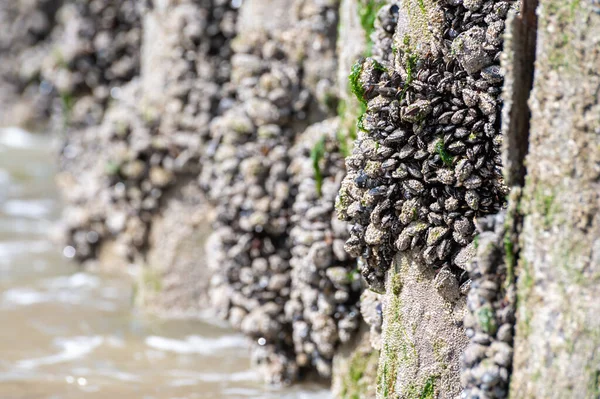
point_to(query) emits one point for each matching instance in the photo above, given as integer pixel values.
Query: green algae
(356, 382)
(367, 13)
(316, 154)
(444, 155)
(356, 86)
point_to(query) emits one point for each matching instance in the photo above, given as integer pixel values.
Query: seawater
(66, 333)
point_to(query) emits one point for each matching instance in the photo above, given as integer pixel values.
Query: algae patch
(316, 154)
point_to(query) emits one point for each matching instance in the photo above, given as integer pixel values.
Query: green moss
(410, 64)
(341, 109)
(563, 14)
(546, 204)
(342, 202)
(360, 123)
(487, 321)
(397, 284)
(422, 7)
(356, 86)
(411, 67)
(331, 101)
(594, 384)
(352, 275)
(425, 390)
(510, 259)
(444, 155)
(356, 384)
(439, 351)
(428, 389)
(528, 279)
(525, 283)
(342, 139)
(368, 13)
(358, 90)
(399, 348)
(316, 154)
(68, 101)
(151, 280)
(378, 67)
(112, 168)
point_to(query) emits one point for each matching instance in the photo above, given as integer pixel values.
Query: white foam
(15, 137)
(8, 249)
(22, 226)
(73, 290)
(32, 209)
(102, 372)
(186, 378)
(23, 296)
(71, 349)
(77, 280)
(196, 345)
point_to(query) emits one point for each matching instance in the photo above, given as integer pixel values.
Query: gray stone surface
(557, 323)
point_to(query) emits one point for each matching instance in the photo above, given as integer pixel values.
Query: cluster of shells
(96, 50)
(248, 181)
(487, 360)
(282, 276)
(24, 44)
(147, 149)
(323, 305)
(25, 24)
(427, 161)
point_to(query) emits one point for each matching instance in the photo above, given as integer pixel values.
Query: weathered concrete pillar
(423, 337)
(426, 164)
(558, 328)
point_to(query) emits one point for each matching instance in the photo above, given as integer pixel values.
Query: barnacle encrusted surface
(25, 41)
(323, 305)
(487, 360)
(427, 159)
(97, 49)
(116, 174)
(248, 176)
(250, 184)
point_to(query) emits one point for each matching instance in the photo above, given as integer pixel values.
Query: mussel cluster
(323, 305)
(489, 323)
(249, 182)
(25, 41)
(427, 160)
(97, 50)
(144, 145)
(282, 276)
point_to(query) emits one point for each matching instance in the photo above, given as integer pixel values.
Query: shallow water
(66, 334)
